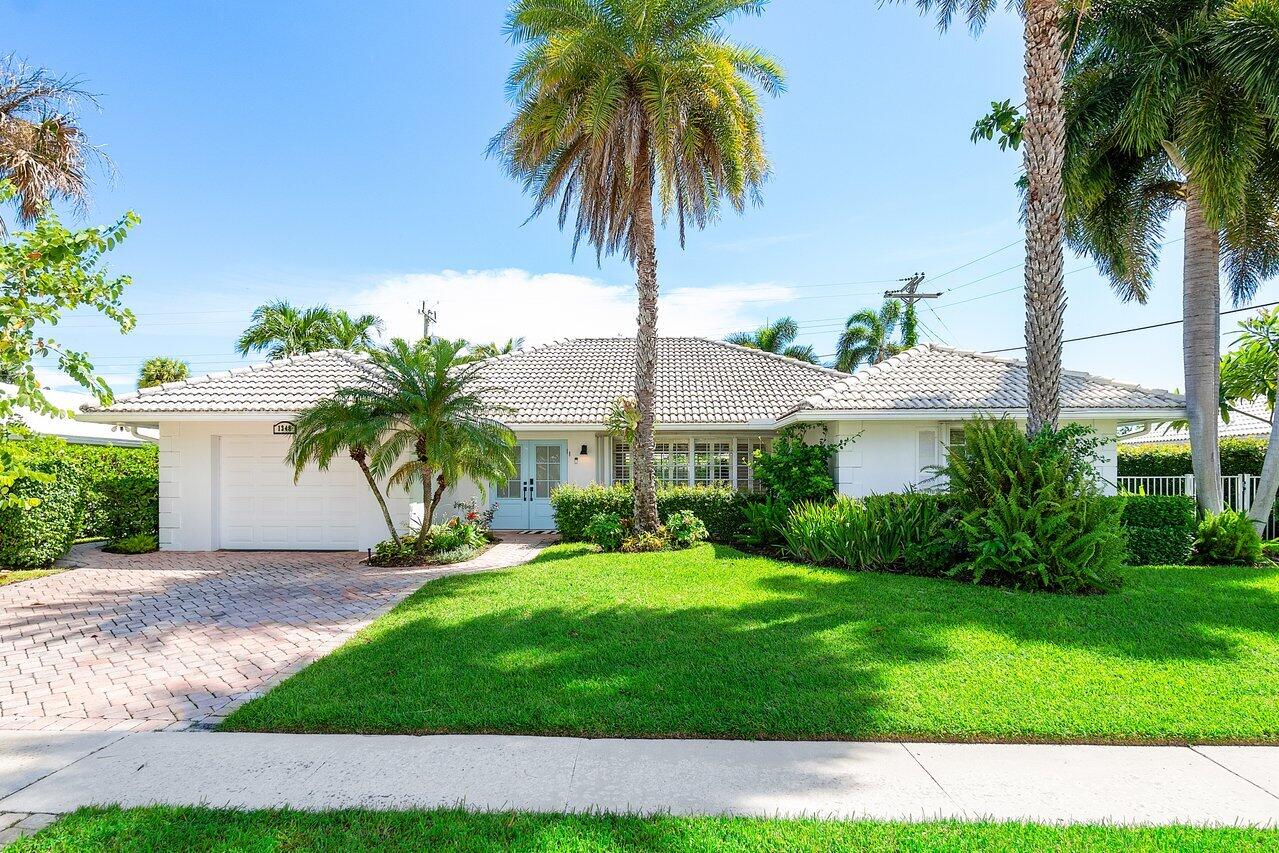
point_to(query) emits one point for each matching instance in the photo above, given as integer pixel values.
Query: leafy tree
(1043, 135)
(43, 150)
(281, 330)
(777, 337)
(334, 427)
(161, 369)
(616, 100)
(1175, 104)
(796, 470)
(433, 427)
(870, 336)
(1250, 372)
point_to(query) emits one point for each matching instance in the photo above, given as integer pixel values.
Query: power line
(1136, 328)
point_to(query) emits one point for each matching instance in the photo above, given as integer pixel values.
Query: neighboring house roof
(67, 428)
(930, 377)
(699, 381)
(1251, 421)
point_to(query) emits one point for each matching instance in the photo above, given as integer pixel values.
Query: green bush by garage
(34, 536)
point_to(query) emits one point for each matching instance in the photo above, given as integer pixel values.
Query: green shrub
(885, 532)
(644, 543)
(456, 534)
(722, 510)
(120, 485)
(605, 531)
(1238, 456)
(34, 537)
(793, 470)
(684, 529)
(449, 543)
(1160, 528)
(138, 543)
(1226, 538)
(1030, 514)
(765, 521)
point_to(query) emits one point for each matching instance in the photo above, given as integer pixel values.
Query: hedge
(720, 509)
(121, 485)
(1238, 456)
(34, 537)
(1160, 529)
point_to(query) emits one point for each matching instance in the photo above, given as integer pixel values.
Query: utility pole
(428, 317)
(909, 293)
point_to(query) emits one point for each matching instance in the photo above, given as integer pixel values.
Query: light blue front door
(524, 501)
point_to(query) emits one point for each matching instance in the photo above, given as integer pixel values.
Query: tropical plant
(1043, 134)
(1174, 104)
(1226, 538)
(335, 426)
(353, 333)
(616, 100)
(622, 421)
(44, 153)
(492, 350)
(281, 329)
(160, 369)
(1030, 513)
(605, 531)
(684, 529)
(1251, 372)
(794, 470)
(776, 337)
(435, 428)
(765, 521)
(870, 336)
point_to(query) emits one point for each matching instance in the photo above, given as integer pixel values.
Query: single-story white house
(223, 436)
(1250, 419)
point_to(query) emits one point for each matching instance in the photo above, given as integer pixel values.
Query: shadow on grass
(627, 646)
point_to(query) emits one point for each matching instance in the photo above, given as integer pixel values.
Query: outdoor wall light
(583, 453)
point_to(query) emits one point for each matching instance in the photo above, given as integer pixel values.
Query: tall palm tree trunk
(1201, 348)
(645, 345)
(1045, 138)
(358, 456)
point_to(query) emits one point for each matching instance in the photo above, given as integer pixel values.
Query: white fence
(1237, 491)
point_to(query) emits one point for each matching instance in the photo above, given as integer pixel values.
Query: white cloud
(55, 380)
(487, 305)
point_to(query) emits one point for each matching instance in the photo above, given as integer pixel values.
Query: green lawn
(714, 643)
(8, 576)
(193, 829)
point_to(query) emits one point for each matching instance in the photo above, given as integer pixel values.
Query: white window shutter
(927, 450)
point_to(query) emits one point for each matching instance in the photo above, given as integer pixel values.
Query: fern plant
(1226, 538)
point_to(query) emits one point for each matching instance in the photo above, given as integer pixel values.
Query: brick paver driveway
(171, 639)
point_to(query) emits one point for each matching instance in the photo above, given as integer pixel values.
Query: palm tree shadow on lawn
(809, 658)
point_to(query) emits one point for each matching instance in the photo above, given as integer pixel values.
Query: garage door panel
(261, 506)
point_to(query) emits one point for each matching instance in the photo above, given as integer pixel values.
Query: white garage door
(260, 507)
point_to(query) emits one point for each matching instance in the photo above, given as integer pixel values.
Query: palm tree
(333, 427)
(353, 333)
(482, 351)
(282, 330)
(777, 337)
(868, 336)
(161, 369)
(1044, 138)
(1175, 105)
(616, 100)
(44, 153)
(1251, 372)
(434, 427)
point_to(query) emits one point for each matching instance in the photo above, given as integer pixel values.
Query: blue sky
(329, 152)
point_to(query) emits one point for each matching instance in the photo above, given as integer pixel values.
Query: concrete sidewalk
(57, 772)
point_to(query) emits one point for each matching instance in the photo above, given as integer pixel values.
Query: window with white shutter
(926, 452)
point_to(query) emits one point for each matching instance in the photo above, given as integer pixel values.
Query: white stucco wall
(188, 499)
(889, 455)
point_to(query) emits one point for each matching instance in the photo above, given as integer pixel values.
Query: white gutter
(810, 415)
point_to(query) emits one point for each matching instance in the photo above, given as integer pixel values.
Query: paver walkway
(172, 639)
(43, 773)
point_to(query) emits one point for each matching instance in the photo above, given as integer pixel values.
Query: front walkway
(43, 774)
(171, 640)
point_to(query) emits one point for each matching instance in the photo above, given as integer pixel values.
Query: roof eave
(1108, 413)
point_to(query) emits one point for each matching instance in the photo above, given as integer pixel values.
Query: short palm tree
(776, 337)
(870, 336)
(1044, 139)
(162, 369)
(44, 153)
(353, 333)
(333, 427)
(1175, 104)
(434, 427)
(616, 100)
(280, 330)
